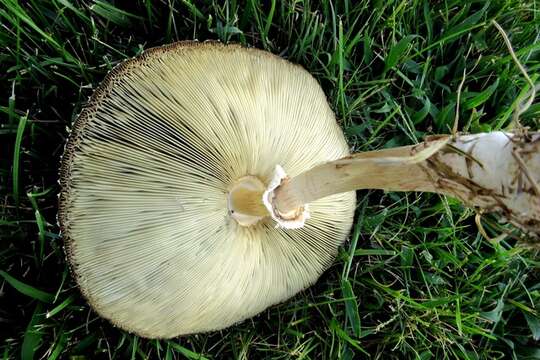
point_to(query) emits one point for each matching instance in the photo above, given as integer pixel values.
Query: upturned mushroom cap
(145, 180)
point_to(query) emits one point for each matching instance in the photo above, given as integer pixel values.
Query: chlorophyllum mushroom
(203, 183)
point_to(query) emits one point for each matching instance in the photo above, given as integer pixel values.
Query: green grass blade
(374, 252)
(113, 14)
(40, 220)
(344, 336)
(351, 307)
(534, 325)
(482, 97)
(397, 52)
(60, 306)
(17, 157)
(58, 349)
(32, 335)
(27, 289)
(187, 353)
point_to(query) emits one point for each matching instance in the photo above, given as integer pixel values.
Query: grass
(416, 280)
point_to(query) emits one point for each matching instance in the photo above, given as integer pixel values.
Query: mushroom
(203, 183)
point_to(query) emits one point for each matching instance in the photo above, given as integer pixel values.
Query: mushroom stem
(389, 169)
(494, 171)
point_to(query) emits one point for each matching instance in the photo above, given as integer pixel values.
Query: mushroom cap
(145, 177)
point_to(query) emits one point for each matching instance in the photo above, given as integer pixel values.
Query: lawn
(416, 279)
